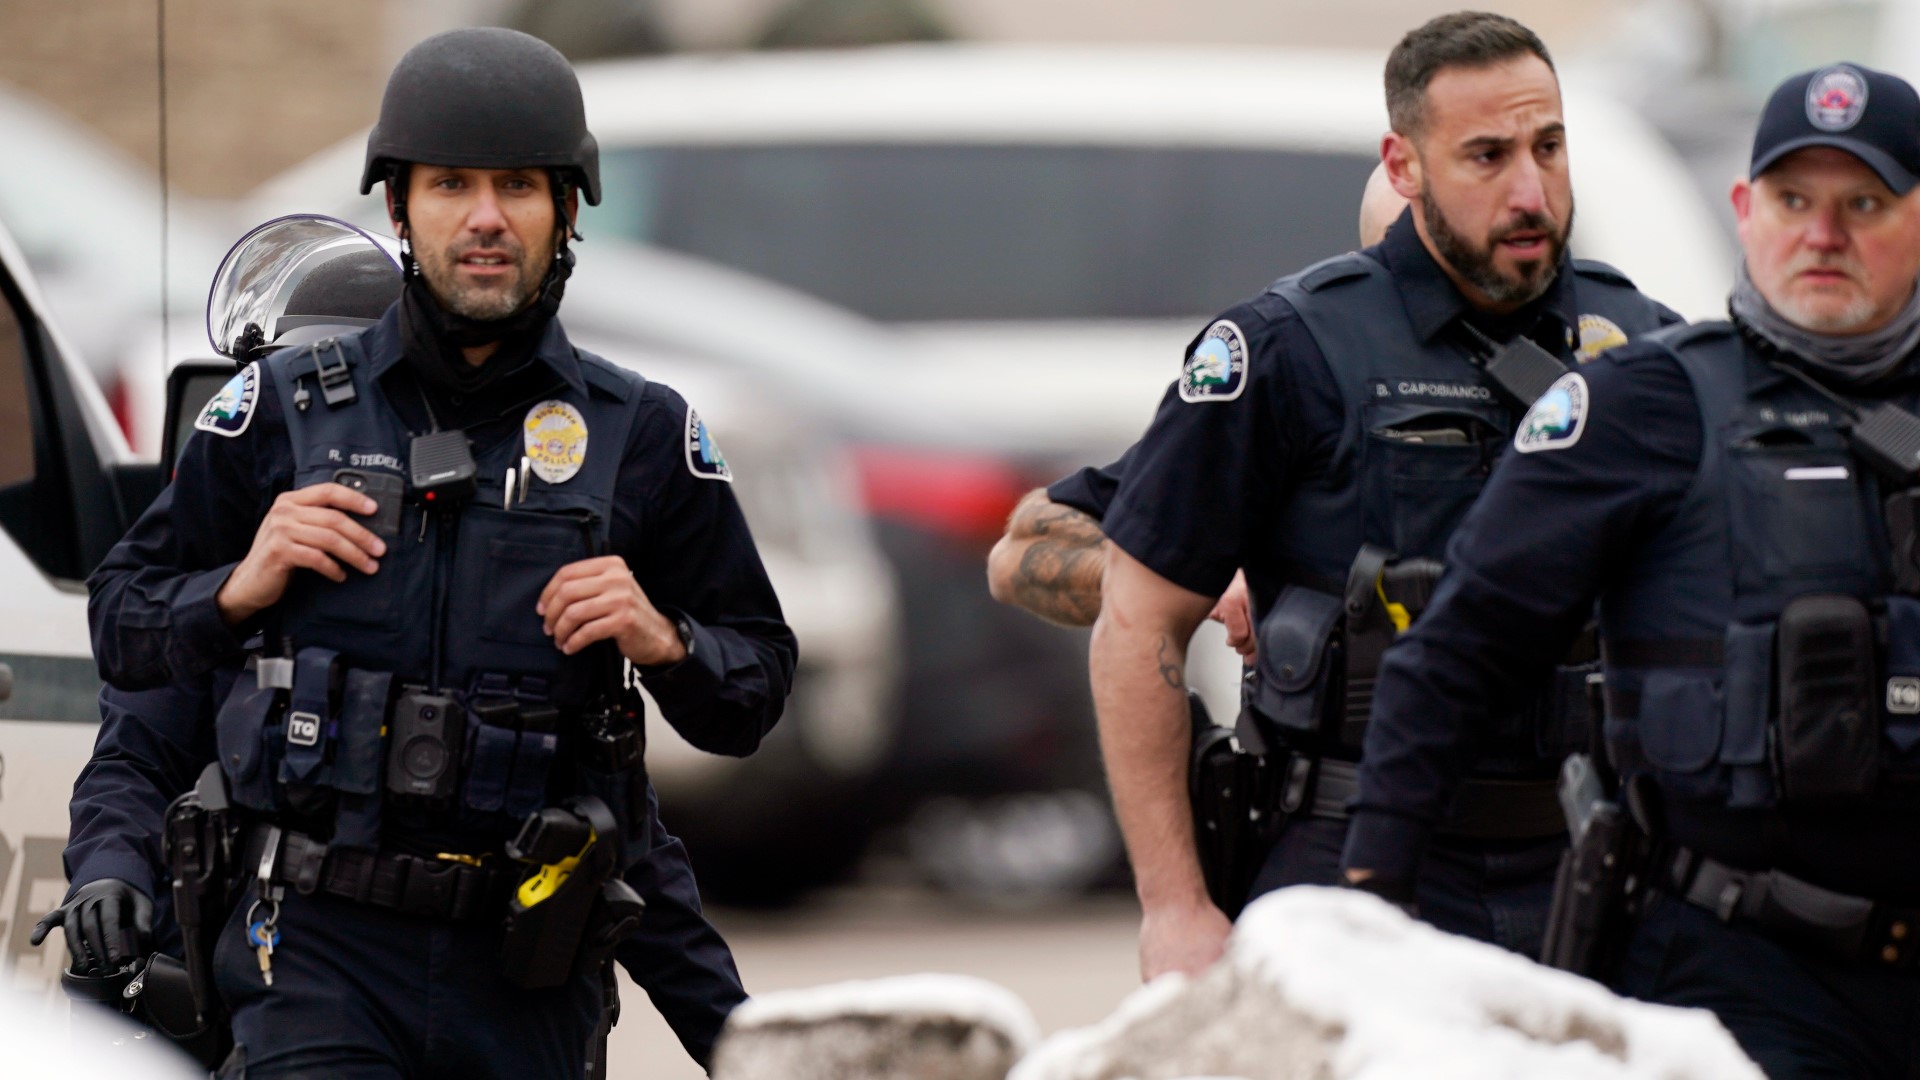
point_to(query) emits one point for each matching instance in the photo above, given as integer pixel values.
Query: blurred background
(910, 258)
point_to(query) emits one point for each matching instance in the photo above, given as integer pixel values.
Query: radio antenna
(166, 313)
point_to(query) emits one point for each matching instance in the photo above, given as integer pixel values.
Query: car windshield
(929, 232)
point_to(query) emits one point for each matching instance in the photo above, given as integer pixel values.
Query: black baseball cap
(1870, 114)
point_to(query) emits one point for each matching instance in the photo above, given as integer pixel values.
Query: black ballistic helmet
(484, 98)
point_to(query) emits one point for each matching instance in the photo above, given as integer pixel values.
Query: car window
(931, 232)
(16, 426)
(36, 499)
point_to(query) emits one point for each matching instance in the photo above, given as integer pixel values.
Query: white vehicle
(69, 486)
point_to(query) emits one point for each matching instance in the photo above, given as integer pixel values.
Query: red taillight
(966, 497)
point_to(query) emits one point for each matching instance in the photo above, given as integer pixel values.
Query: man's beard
(1528, 281)
(1857, 313)
(482, 303)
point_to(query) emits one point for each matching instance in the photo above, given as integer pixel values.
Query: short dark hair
(1469, 39)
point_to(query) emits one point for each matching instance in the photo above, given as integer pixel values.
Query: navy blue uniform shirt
(1204, 486)
(1090, 490)
(151, 601)
(1548, 534)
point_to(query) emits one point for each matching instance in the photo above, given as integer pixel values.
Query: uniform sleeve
(1218, 458)
(150, 602)
(1090, 490)
(676, 955)
(1523, 571)
(150, 749)
(693, 554)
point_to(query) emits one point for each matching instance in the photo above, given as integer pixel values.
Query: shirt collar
(382, 344)
(1433, 302)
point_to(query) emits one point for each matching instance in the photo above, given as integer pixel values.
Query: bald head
(1379, 206)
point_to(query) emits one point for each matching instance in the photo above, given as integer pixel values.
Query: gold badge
(1597, 335)
(556, 441)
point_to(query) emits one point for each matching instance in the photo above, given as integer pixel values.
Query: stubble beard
(477, 301)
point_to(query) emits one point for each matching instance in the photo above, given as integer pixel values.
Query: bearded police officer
(1325, 437)
(1739, 496)
(306, 277)
(1051, 559)
(456, 534)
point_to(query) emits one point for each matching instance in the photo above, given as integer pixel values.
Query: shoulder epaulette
(1335, 270)
(608, 378)
(1601, 271)
(1681, 335)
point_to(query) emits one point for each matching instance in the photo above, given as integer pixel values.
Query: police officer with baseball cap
(459, 540)
(1740, 498)
(1325, 437)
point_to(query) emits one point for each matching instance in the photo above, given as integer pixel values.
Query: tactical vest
(1755, 654)
(1423, 428)
(451, 608)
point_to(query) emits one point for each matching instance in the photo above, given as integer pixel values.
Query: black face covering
(433, 337)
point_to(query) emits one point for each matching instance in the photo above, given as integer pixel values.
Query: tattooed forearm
(1171, 666)
(1050, 562)
(1060, 580)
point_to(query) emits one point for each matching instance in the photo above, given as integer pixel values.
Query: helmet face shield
(277, 272)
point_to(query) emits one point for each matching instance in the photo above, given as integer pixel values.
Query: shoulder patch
(1217, 368)
(1557, 419)
(1601, 271)
(1337, 269)
(703, 454)
(231, 410)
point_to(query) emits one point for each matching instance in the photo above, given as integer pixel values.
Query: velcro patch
(1217, 368)
(703, 454)
(1557, 419)
(230, 411)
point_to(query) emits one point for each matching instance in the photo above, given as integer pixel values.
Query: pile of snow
(1330, 983)
(916, 1027)
(42, 1042)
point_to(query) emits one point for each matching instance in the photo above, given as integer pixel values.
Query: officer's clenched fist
(598, 600)
(306, 528)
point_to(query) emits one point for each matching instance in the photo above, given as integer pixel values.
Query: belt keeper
(301, 861)
(1729, 900)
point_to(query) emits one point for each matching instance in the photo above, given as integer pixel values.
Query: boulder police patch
(1217, 369)
(1557, 419)
(1836, 98)
(703, 454)
(556, 436)
(1597, 334)
(231, 410)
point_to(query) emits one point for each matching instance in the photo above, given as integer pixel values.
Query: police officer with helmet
(1740, 498)
(1326, 437)
(459, 540)
(306, 277)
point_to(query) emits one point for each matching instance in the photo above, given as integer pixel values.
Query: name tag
(1819, 472)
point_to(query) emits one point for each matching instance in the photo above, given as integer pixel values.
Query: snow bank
(42, 1042)
(915, 1027)
(1330, 983)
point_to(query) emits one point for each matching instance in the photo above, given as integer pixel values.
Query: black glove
(108, 925)
(1398, 893)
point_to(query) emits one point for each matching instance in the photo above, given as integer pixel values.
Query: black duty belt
(1485, 809)
(454, 887)
(1798, 912)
